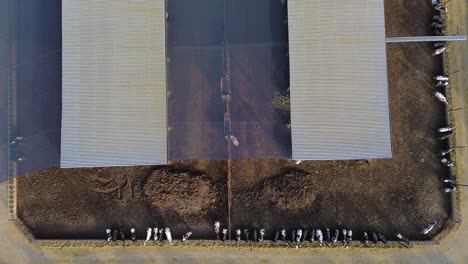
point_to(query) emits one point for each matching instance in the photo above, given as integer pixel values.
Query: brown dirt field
(398, 194)
(80, 203)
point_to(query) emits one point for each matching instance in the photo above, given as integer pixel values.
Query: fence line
(455, 202)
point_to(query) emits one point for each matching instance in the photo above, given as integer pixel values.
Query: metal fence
(455, 197)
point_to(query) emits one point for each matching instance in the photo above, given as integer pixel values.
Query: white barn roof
(114, 83)
(338, 80)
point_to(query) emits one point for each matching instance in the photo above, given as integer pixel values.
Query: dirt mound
(188, 193)
(285, 191)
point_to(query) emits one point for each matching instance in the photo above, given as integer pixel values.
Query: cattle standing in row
(160, 234)
(246, 233)
(440, 7)
(344, 232)
(109, 234)
(115, 235)
(450, 188)
(238, 236)
(298, 235)
(122, 236)
(375, 238)
(402, 238)
(447, 162)
(225, 233)
(304, 237)
(449, 180)
(275, 238)
(168, 234)
(347, 237)
(312, 235)
(350, 237)
(445, 129)
(439, 51)
(445, 135)
(255, 237)
(426, 229)
(262, 235)
(446, 152)
(133, 234)
(186, 236)
(366, 238)
(217, 226)
(437, 32)
(383, 239)
(18, 141)
(437, 25)
(442, 83)
(441, 97)
(438, 19)
(441, 78)
(156, 234)
(335, 237)
(148, 235)
(319, 236)
(440, 44)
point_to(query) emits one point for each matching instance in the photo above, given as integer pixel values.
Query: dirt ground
(399, 194)
(245, 43)
(81, 202)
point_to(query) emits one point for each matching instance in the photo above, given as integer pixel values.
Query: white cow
(148, 235)
(450, 189)
(168, 234)
(319, 235)
(442, 83)
(445, 129)
(109, 234)
(439, 51)
(441, 97)
(186, 236)
(441, 78)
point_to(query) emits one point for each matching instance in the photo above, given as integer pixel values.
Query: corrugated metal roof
(338, 76)
(114, 83)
